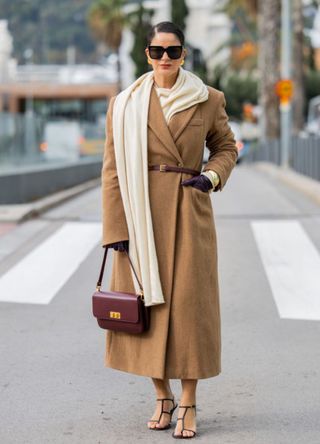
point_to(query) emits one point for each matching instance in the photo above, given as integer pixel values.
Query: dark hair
(165, 27)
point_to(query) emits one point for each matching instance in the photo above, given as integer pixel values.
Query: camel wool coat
(184, 340)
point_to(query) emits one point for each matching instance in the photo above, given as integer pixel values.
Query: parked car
(62, 140)
(313, 123)
(65, 139)
(241, 145)
(92, 140)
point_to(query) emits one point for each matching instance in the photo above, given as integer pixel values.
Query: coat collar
(168, 134)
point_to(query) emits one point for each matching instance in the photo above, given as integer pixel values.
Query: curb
(306, 185)
(20, 212)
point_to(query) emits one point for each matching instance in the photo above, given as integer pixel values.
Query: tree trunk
(297, 67)
(269, 66)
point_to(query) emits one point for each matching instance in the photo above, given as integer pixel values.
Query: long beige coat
(184, 338)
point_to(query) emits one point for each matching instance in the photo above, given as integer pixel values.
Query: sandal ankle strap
(186, 407)
(165, 399)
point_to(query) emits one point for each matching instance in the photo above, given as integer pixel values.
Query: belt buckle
(163, 167)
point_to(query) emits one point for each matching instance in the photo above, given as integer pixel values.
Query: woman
(170, 113)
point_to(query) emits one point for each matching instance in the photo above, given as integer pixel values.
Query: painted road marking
(38, 277)
(292, 265)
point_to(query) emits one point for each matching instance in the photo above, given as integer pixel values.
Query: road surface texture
(54, 386)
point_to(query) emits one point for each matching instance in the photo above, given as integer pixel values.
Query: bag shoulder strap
(104, 263)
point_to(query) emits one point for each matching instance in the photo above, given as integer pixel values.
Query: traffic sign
(284, 90)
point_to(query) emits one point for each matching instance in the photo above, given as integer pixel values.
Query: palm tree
(107, 20)
(268, 14)
(243, 39)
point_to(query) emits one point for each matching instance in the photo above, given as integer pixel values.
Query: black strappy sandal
(181, 436)
(162, 412)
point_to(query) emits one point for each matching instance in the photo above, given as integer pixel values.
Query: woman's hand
(119, 246)
(201, 182)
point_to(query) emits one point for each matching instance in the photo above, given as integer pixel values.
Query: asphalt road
(54, 387)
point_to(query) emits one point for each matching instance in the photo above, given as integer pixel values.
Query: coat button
(180, 164)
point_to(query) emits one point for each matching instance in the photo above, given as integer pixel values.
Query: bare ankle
(164, 394)
(163, 389)
(187, 401)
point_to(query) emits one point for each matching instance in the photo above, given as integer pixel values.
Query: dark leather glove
(119, 246)
(201, 182)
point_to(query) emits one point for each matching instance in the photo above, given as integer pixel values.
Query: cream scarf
(130, 119)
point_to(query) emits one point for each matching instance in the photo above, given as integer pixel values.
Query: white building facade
(7, 63)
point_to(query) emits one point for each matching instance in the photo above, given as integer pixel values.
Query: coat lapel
(168, 134)
(158, 124)
(180, 120)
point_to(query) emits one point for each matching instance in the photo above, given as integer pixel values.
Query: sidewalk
(304, 184)
(20, 212)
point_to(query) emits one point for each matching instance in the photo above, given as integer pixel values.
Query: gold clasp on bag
(115, 314)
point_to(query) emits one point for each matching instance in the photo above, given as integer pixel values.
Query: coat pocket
(199, 192)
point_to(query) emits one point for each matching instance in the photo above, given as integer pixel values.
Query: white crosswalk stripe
(38, 277)
(290, 259)
(292, 265)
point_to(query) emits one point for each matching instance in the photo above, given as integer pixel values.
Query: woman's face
(165, 65)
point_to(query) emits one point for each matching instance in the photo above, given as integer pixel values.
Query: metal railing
(304, 154)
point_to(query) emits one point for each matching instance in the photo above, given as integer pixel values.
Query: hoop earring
(182, 62)
(149, 61)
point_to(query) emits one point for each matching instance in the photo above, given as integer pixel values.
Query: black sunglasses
(156, 52)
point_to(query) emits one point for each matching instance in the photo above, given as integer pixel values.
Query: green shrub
(238, 89)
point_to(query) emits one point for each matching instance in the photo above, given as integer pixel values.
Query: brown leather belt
(164, 167)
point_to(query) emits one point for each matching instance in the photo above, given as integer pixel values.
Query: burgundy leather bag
(120, 311)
